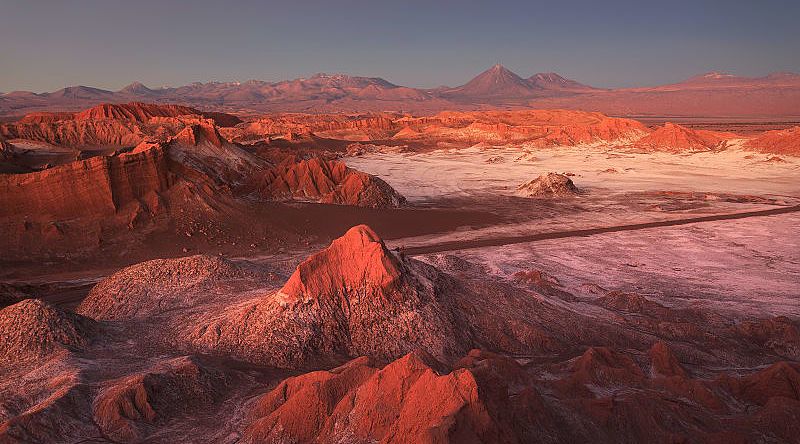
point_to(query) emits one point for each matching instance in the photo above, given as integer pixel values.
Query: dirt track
(507, 240)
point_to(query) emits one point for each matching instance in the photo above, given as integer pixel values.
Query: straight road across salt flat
(508, 240)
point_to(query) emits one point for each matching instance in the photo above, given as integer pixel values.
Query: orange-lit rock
(327, 181)
(677, 138)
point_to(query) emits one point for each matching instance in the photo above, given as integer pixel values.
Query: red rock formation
(538, 128)
(196, 134)
(144, 112)
(779, 334)
(548, 186)
(491, 398)
(327, 181)
(677, 138)
(786, 142)
(780, 380)
(45, 117)
(343, 301)
(631, 302)
(669, 374)
(357, 259)
(78, 205)
(127, 408)
(90, 188)
(664, 363)
(406, 401)
(32, 329)
(139, 112)
(536, 278)
(199, 146)
(109, 124)
(603, 366)
(79, 133)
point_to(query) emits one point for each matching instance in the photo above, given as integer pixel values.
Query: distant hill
(713, 94)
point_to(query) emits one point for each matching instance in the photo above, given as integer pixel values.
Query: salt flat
(499, 170)
(748, 266)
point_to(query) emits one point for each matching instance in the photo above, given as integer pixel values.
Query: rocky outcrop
(33, 329)
(779, 334)
(129, 408)
(89, 188)
(10, 160)
(631, 303)
(353, 298)
(780, 380)
(157, 286)
(602, 396)
(676, 138)
(200, 147)
(664, 362)
(603, 366)
(122, 125)
(80, 205)
(145, 112)
(82, 133)
(327, 181)
(786, 142)
(532, 128)
(405, 401)
(46, 117)
(548, 185)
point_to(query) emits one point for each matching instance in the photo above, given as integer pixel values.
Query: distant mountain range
(711, 94)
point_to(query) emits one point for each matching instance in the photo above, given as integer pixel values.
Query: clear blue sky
(46, 45)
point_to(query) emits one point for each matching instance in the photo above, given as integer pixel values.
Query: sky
(46, 45)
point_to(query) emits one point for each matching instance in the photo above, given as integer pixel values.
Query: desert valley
(340, 259)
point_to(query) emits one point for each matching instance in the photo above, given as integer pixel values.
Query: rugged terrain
(388, 348)
(532, 275)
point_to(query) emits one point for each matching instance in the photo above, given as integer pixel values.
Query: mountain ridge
(723, 94)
